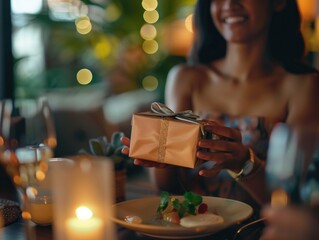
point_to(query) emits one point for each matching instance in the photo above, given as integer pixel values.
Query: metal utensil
(253, 224)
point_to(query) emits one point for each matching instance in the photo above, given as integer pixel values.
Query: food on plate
(189, 212)
(133, 219)
(200, 220)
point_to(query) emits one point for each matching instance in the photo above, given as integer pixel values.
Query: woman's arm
(178, 93)
(228, 152)
(304, 100)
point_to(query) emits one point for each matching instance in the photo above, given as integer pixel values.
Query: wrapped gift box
(165, 138)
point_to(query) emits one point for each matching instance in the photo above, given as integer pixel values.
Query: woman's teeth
(231, 20)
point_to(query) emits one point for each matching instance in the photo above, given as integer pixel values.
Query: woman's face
(242, 21)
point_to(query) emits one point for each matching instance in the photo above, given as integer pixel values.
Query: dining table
(137, 186)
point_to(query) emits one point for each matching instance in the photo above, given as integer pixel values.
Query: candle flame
(83, 213)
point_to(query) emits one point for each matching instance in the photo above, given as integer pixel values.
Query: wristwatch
(247, 168)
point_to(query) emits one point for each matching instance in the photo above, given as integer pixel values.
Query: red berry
(202, 208)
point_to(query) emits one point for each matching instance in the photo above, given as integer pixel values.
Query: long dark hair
(286, 42)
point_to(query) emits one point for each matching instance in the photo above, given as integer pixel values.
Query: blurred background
(99, 61)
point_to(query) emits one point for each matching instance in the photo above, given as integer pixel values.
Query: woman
(244, 75)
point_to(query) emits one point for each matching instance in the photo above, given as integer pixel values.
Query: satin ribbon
(164, 111)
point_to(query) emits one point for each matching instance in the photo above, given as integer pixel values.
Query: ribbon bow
(165, 111)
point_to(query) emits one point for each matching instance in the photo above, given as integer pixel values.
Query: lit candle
(84, 226)
(41, 210)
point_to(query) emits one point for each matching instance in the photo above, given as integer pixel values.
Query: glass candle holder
(83, 193)
(41, 210)
(40, 195)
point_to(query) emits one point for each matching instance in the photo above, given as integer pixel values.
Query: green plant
(100, 146)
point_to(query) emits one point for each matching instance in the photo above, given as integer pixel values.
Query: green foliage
(100, 146)
(112, 50)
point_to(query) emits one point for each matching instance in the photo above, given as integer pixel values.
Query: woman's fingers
(230, 155)
(225, 160)
(227, 151)
(125, 150)
(217, 157)
(126, 141)
(144, 163)
(211, 122)
(210, 172)
(227, 132)
(220, 145)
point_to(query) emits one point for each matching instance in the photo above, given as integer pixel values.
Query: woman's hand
(227, 150)
(290, 223)
(143, 163)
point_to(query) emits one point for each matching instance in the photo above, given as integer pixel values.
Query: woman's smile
(234, 19)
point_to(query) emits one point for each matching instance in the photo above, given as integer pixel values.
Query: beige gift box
(165, 137)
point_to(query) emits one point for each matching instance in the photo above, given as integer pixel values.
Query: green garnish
(163, 202)
(188, 205)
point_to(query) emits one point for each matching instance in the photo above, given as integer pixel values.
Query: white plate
(232, 211)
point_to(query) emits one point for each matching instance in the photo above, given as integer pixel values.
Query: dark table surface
(136, 187)
(16, 232)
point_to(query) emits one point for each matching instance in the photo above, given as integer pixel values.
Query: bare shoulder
(181, 84)
(184, 77)
(186, 73)
(307, 83)
(304, 98)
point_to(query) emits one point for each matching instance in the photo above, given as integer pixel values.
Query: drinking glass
(292, 165)
(27, 140)
(292, 169)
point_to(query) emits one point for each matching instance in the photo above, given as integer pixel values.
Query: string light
(148, 31)
(150, 46)
(151, 16)
(149, 5)
(83, 25)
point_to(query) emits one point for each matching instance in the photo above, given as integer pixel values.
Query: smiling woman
(246, 73)
(240, 24)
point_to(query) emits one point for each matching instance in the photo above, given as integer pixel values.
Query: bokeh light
(150, 46)
(1, 141)
(150, 83)
(17, 180)
(84, 76)
(149, 5)
(151, 16)
(40, 175)
(82, 22)
(189, 23)
(83, 25)
(112, 13)
(103, 49)
(148, 32)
